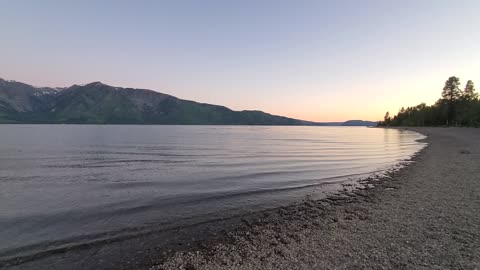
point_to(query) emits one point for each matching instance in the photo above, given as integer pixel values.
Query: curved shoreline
(194, 236)
(334, 232)
(216, 228)
(424, 216)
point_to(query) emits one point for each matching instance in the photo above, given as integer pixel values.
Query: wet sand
(424, 216)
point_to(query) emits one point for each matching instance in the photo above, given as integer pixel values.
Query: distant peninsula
(98, 103)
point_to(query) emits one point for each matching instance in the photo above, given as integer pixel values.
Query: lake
(64, 185)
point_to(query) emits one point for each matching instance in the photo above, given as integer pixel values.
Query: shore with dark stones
(423, 216)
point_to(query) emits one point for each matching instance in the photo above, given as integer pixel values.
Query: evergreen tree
(387, 118)
(451, 93)
(451, 90)
(469, 93)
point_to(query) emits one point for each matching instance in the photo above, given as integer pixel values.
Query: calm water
(67, 184)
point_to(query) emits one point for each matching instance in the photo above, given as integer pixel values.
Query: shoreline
(393, 222)
(189, 237)
(313, 233)
(303, 213)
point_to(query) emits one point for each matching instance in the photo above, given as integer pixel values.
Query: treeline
(456, 108)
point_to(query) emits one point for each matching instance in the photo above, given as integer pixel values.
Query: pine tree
(451, 90)
(387, 118)
(451, 93)
(469, 93)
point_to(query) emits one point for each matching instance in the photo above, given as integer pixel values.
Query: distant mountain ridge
(98, 103)
(352, 123)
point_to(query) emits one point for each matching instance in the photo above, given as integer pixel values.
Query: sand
(425, 216)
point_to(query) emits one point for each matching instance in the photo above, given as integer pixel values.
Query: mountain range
(98, 103)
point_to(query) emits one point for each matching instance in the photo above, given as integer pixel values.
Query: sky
(313, 60)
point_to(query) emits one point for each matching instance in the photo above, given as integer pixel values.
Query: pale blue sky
(315, 60)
